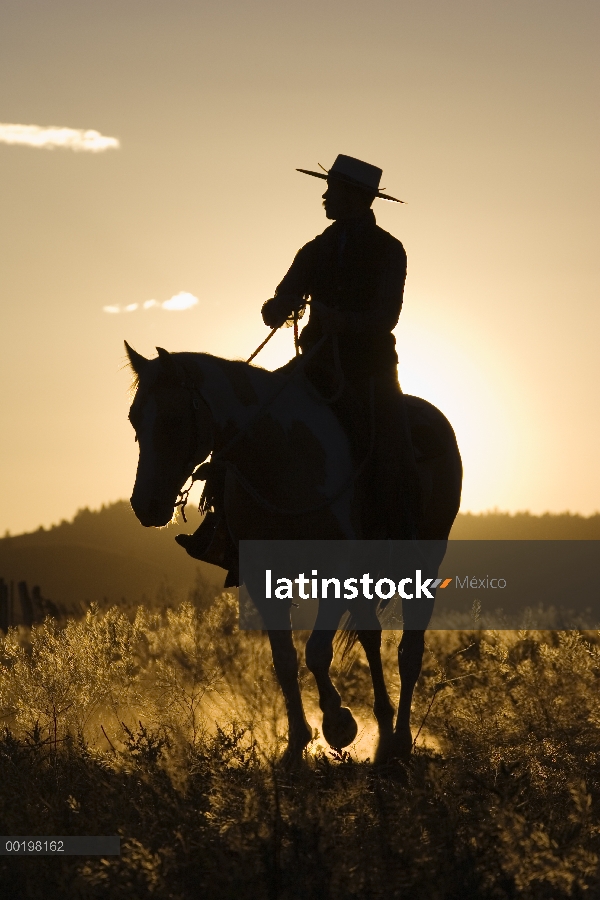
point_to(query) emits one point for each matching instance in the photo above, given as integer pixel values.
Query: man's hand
(276, 310)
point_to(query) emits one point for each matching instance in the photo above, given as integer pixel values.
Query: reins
(296, 315)
(266, 341)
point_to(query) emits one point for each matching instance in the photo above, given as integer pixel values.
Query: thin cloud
(49, 138)
(179, 302)
(182, 300)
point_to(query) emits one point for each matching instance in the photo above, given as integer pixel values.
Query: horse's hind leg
(382, 706)
(410, 660)
(339, 725)
(285, 661)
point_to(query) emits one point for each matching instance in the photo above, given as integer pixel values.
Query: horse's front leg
(339, 726)
(285, 662)
(410, 660)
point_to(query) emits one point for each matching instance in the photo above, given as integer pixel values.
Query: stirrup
(212, 543)
(198, 543)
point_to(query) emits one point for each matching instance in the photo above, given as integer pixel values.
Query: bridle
(197, 402)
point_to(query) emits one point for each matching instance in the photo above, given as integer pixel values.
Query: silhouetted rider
(354, 274)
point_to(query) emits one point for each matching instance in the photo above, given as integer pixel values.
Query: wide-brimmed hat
(355, 172)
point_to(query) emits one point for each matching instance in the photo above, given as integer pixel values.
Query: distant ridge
(108, 557)
(105, 556)
(523, 526)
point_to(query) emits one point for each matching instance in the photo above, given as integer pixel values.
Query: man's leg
(211, 543)
(397, 483)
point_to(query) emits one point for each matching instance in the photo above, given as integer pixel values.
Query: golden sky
(483, 115)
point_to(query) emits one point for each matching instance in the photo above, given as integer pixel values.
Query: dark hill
(104, 556)
(107, 556)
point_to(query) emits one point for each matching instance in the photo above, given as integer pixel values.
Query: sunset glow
(483, 119)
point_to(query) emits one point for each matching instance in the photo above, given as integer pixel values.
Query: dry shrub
(506, 807)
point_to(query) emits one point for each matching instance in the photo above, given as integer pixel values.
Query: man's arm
(290, 293)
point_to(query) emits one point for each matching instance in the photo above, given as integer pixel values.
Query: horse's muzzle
(154, 515)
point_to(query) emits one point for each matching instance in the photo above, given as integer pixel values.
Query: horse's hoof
(401, 746)
(293, 755)
(291, 760)
(384, 750)
(339, 728)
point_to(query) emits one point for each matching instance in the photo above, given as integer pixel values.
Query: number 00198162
(35, 846)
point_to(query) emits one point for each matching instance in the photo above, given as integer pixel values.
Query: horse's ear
(138, 362)
(168, 363)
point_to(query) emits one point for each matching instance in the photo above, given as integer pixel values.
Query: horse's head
(173, 427)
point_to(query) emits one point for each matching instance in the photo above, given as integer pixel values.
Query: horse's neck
(287, 423)
(232, 390)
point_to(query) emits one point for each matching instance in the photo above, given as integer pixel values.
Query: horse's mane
(135, 379)
(241, 363)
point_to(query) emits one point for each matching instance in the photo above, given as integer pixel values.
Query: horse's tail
(346, 639)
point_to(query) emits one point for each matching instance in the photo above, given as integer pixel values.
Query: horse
(291, 473)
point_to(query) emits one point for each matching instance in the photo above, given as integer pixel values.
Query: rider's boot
(212, 543)
(197, 544)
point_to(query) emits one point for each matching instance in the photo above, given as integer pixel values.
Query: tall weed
(164, 727)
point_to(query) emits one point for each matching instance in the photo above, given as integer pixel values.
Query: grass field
(163, 727)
